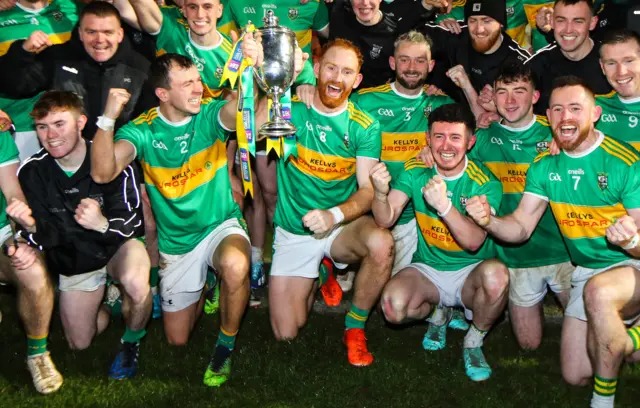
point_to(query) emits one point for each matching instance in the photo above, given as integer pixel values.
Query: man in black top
(482, 47)
(86, 230)
(573, 53)
(103, 59)
(373, 32)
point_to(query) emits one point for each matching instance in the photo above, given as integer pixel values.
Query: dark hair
(516, 72)
(619, 36)
(453, 113)
(574, 2)
(52, 101)
(100, 9)
(162, 66)
(571, 80)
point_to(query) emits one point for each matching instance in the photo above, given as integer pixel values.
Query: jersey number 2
(183, 147)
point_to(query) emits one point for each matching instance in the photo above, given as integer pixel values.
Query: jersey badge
(34, 21)
(346, 140)
(603, 181)
(542, 146)
(427, 111)
(463, 201)
(57, 15)
(375, 51)
(218, 73)
(293, 13)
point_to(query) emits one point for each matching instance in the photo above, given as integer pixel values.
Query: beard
(411, 85)
(330, 101)
(570, 145)
(483, 45)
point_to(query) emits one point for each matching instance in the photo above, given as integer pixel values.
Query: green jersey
(403, 122)
(587, 193)
(531, 8)
(323, 174)
(56, 20)
(508, 152)
(8, 155)
(185, 173)
(225, 23)
(303, 19)
(620, 118)
(516, 19)
(436, 246)
(174, 37)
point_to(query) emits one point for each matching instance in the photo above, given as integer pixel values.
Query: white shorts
(581, 275)
(5, 233)
(406, 240)
(85, 282)
(182, 277)
(300, 255)
(528, 286)
(449, 284)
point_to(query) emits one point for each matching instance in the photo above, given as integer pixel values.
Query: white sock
(474, 337)
(256, 255)
(601, 401)
(441, 316)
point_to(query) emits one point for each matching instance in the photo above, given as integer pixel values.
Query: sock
(356, 318)
(604, 392)
(474, 337)
(226, 339)
(323, 274)
(256, 255)
(131, 336)
(634, 333)
(439, 316)
(36, 345)
(153, 276)
(224, 346)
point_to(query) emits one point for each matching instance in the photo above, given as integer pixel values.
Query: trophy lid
(270, 20)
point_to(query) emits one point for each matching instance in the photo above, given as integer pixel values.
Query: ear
(548, 115)
(472, 141)
(432, 64)
(357, 81)
(602, 66)
(593, 23)
(597, 111)
(536, 96)
(82, 122)
(120, 35)
(392, 63)
(162, 94)
(316, 69)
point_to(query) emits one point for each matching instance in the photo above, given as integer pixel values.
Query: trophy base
(276, 128)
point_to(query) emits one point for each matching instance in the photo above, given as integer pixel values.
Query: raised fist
(479, 210)
(435, 194)
(622, 232)
(37, 42)
(116, 100)
(380, 178)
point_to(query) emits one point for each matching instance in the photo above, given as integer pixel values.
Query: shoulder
(359, 116)
(543, 157)
(620, 152)
(478, 173)
(543, 54)
(33, 163)
(414, 164)
(226, 44)
(386, 88)
(144, 120)
(515, 49)
(603, 97)
(542, 121)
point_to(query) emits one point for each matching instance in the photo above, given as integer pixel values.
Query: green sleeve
(404, 182)
(457, 13)
(321, 19)
(630, 197)
(306, 77)
(370, 142)
(493, 191)
(8, 149)
(133, 134)
(536, 180)
(211, 112)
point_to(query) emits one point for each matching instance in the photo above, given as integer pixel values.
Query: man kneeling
(86, 229)
(453, 264)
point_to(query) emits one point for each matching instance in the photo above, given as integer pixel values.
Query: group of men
(524, 178)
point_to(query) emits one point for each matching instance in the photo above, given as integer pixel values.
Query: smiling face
(572, 116)
(515, 100)
(484, 32)
(621, 65)
(571, 25)
(100, 36)
(449, 144)
(185, 90)
(59, 132)
(366, 10)
(338, 74)
(412, 63)
(202, 15)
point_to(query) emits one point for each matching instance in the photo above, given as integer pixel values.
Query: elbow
(101, 178)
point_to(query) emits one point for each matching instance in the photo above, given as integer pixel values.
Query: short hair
(342, 43)
(100, 9)
(413, 37)
(453, 113)
(619, 36)
(571, 80)
(574, 2)
(55, 101)
(162, 66)
(510, 73)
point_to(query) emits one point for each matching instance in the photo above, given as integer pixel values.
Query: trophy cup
(275, 75)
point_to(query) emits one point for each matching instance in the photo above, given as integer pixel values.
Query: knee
(573, 378)
(136, 286)
(177, 339)
(34, 279)
(495, 280)
(285, 331)
(599, 295)
(235, 268)
(380, 246)
(79, 342)
(529, 344)
(394, 306)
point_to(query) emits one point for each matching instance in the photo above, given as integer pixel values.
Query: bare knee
(394, 305)
(235, 268)
(495, 280)
(599, 295)
(33, 279)
(380, 246)
(80, 341)
(136, 286)
(177, 339)
(285, 330)
(574, 378)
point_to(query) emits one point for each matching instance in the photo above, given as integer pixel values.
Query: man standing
(323, 196)
(592, 188)
(86, 230)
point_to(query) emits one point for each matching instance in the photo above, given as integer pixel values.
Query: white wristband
(105, 123)
(633, 243)
(446, 211)
(338, 216)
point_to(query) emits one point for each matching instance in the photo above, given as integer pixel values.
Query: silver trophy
(275, 75)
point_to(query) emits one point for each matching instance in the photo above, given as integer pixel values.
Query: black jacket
(68, 67)
(53, 197)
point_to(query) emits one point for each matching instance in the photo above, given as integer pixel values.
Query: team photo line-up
(465, 158)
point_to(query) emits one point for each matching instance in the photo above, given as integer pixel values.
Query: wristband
(633, 243)
(106, 124)
(104, 228)
(338, 216)
(446, 211)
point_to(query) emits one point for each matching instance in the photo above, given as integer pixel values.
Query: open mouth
(447, 156)
(55, 143)
(194, 101)
(511, 109)
(624, 81)
(200, 23)
(334, 91)
(569, 38)
(568, 130)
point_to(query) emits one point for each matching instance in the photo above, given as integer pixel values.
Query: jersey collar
(457, 176)
(336, 113)
(395, 90)
(30, 11)
(522, 129)
(209, 47)
(589, 150)
(628, 101)
(170, 123)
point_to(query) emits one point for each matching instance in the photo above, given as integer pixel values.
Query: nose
(200, 12)
(510, 98)
(566, 115)
(621, 69)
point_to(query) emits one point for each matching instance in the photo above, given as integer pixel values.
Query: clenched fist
(89, 215)
(479, 210)
(380, 178)
(116, 100)
(622, 232)
(252, 48)
(319, 221)
(543, 18)
(435, 194)
(20, 212)
(37, 42)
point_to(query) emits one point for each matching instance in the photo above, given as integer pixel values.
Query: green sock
(153, 276)
(323, 274)
(36, 345)
(356, 318)
(226, 339)
(131, 336)
(605, 387)
(634, 333)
